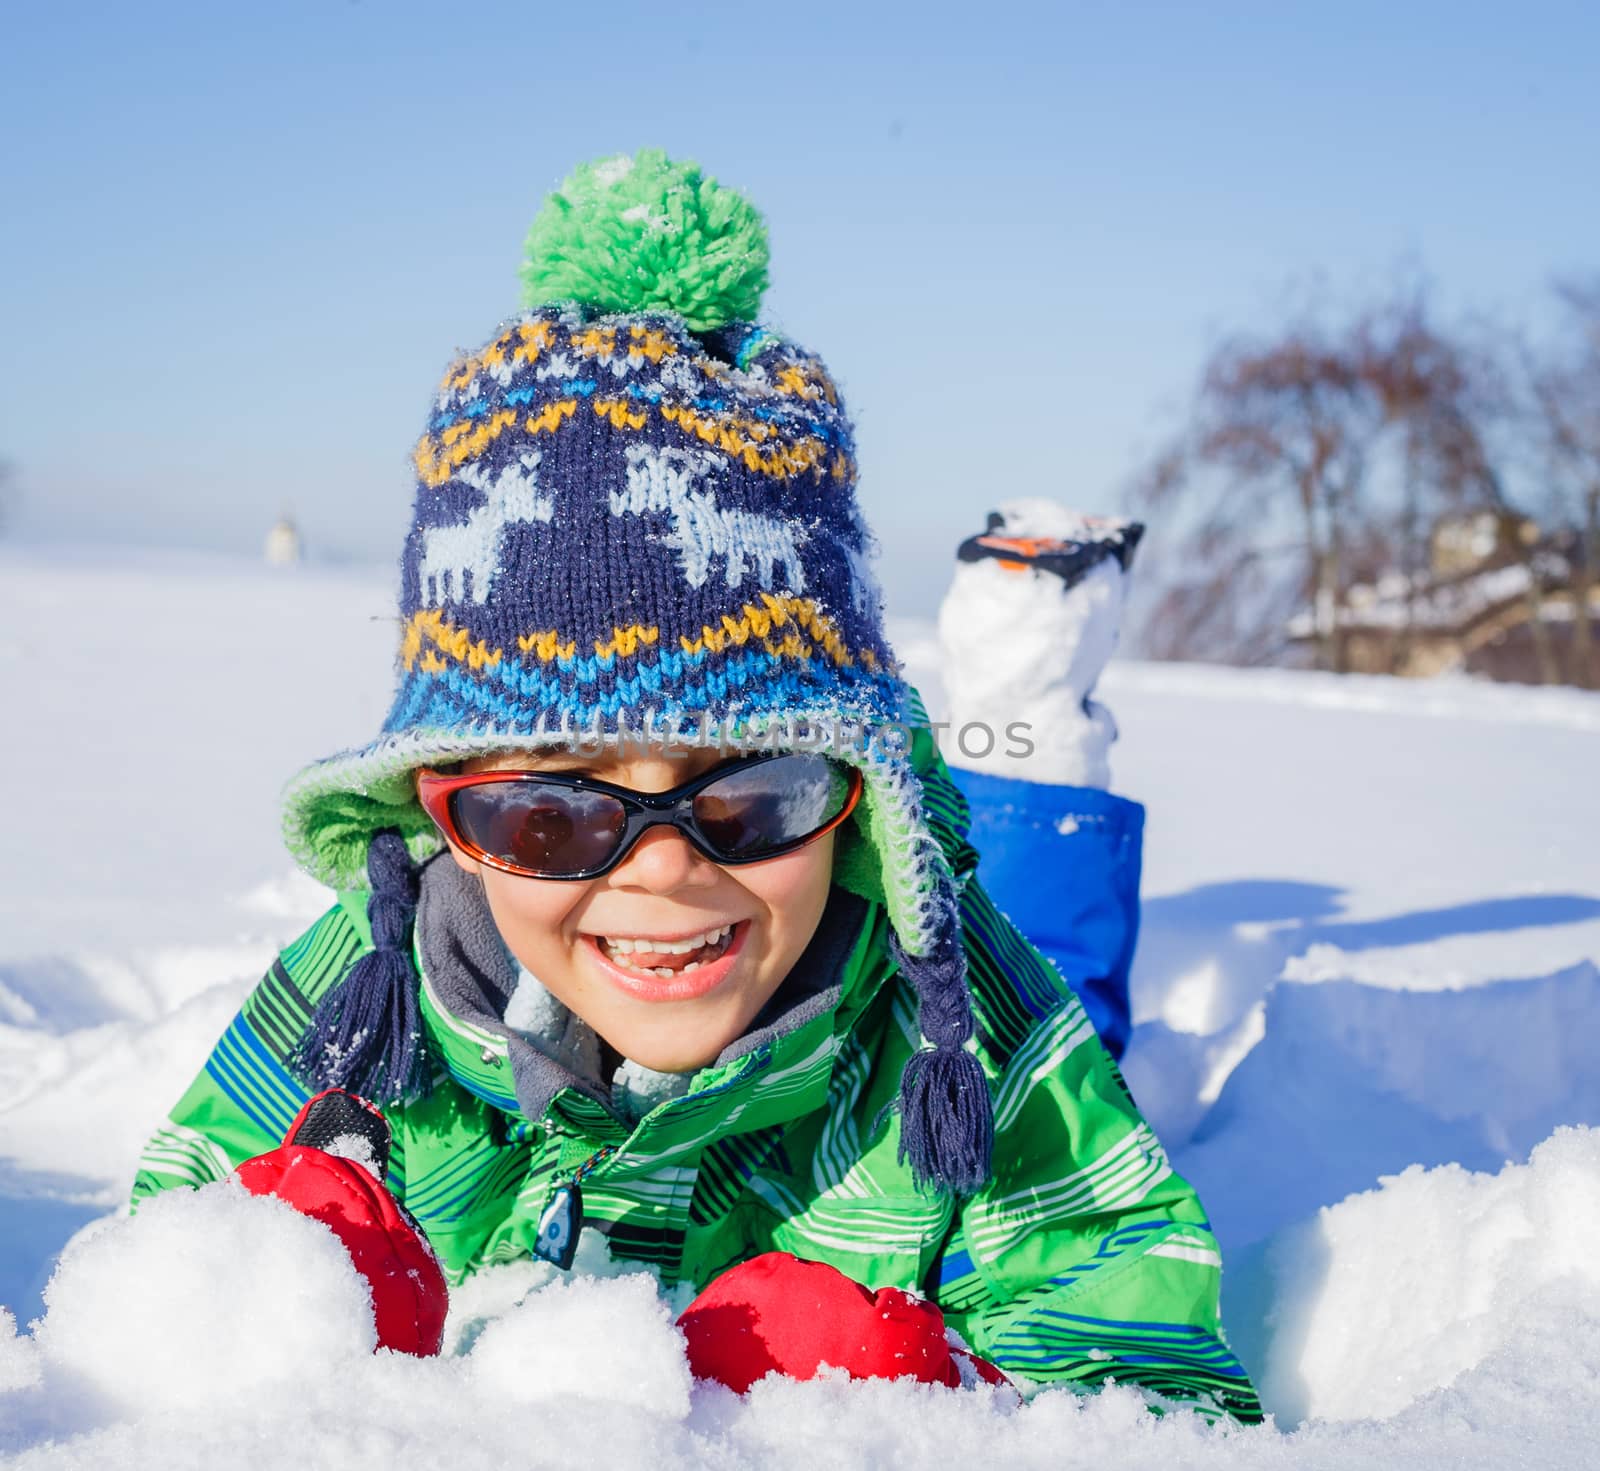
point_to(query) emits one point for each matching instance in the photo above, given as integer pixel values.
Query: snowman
(1028, 623)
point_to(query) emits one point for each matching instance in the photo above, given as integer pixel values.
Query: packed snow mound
(203, 1299)
(1400, 1290)
(19, 1355)
(585, 1338)
(1344, 1083)
(1466, 1308)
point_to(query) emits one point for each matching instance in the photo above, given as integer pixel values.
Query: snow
(19, 1368)
(1366, 996)
(263, 1353)
(611, 171)
(586, 1338)
(1519, 1245)
(201, 1302)
(354, 1147)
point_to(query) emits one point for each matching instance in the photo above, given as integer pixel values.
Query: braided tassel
(946, 1117)
(366, 1033)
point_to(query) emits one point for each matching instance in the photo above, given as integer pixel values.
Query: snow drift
(1365, 995)
(220, 1324)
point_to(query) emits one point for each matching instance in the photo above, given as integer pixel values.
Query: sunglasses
(551, 825)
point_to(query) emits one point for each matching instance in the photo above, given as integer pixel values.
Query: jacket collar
(551, 1076)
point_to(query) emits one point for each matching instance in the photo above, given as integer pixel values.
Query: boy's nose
(663, 860)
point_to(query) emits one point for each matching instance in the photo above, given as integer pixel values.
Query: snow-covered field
(1367, 993)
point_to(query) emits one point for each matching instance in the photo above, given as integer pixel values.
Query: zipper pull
(557, 1241)
(562, 1218)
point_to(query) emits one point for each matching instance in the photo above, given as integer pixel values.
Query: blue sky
(242, 242)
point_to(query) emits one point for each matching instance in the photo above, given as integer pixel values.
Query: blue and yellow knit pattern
(617, 516)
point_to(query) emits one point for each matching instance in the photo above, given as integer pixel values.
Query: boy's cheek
(526, 911)
(465, 864)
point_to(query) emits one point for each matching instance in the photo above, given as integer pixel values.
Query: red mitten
(776, 1312)
(331, 1167)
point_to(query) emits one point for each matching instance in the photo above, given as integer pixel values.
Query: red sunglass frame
(644, 810)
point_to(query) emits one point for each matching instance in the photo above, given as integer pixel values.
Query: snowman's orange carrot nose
(1070, 558)
(1025, 546)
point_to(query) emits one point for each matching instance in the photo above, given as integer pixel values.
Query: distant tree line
(1376, 490)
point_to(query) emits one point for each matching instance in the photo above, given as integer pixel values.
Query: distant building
(1473, 611)
(283, 543)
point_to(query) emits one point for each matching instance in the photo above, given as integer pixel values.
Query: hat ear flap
(366, 1033)
(946, 1115)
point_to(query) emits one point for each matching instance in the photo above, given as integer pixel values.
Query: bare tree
(1322, 459)
(1223, 600)
(1566, 390)
(1463, 421)
(1276, 454)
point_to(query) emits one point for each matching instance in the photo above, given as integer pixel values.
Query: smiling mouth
(666, 958)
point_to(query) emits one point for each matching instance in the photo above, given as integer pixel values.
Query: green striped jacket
(1084, 1258)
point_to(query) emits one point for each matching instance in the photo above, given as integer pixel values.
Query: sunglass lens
(771, 804)
(554, 831)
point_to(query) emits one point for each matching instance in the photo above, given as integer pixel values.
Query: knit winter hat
(636, 517)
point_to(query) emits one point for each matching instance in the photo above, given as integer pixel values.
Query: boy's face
(589, 940)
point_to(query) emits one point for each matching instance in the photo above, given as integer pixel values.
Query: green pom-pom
(645, 234)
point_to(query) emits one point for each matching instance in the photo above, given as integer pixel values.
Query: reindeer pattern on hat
(457, 561)
(662, 478)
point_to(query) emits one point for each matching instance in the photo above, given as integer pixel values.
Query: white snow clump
(204, 1297)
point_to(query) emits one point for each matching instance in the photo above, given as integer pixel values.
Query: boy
(703, 965)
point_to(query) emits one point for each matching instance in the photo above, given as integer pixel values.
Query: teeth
(623, 948)
(625, 945)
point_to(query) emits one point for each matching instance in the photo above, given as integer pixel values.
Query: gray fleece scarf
(550, 1047)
